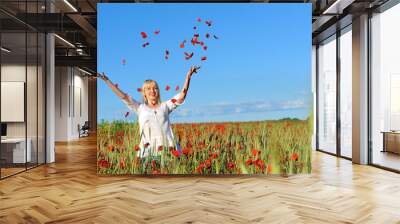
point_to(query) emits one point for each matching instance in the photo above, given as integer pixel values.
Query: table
(391, 141)
(13, 150)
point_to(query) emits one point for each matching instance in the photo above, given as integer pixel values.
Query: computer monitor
(3, 129)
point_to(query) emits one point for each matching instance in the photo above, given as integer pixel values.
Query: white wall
(71, 93)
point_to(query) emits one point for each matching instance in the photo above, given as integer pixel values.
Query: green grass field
(265, 147)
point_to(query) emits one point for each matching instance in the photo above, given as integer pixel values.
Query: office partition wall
(22, 87)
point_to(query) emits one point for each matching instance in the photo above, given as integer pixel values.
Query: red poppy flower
(175, 153)
(160, 148)
(122, 163)
(173, 100)
(200, 167)
(208, 22)
(186, 151)
(249, 162)
(167, 88)
(207, 35)
(143, 34)
(259, 163)
(208, 163)
(205, 48)
(255, 152)
(156, 32)
(269, 168)
(198, 19)
(153, 164)
(119, 133)
(119, 142)
(189, 145)
(214, 155)
(203, 58)
(176, 88)
(127, 114)
(136, 148)
(110, 148)
(146, 145)
(231, 165)
(156, 172)
(104, 164)
(294, 156)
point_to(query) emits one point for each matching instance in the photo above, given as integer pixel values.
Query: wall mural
(201, 89)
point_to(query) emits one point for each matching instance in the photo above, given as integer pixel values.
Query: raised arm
(133, 104)
(181, 97)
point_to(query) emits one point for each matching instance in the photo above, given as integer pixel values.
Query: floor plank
(70, 191)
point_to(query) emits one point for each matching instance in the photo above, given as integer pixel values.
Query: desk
(391, 141)
(16, 148)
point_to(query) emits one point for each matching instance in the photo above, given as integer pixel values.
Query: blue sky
(258, 69)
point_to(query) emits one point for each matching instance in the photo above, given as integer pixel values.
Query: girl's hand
(194, 69)
(102, 76)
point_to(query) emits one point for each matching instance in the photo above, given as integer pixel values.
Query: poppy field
(263, 147)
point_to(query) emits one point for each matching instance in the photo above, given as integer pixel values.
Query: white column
(50, 93)
(360, 90)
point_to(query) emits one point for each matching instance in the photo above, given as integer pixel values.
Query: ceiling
(76, 22)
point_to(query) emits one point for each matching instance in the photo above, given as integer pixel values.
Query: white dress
(154, 125)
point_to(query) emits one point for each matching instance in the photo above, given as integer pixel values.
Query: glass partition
(327, 95)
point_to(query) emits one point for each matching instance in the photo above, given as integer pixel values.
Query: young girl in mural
(153, 115)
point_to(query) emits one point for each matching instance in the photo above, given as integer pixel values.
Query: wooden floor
(69, 191)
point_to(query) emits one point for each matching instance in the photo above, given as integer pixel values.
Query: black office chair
(84, 130)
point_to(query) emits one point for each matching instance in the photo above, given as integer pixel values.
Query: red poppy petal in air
(143, 34)
(204, 58)
(208, 22)
(205, 48)
(167, 88)
(156, 32)
(207, 35)
(139, 90)
(127, 114)
(145, 44)
(196, 35)
(176, 88)
(198, 19)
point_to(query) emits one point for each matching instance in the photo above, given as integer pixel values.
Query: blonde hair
(146, 84)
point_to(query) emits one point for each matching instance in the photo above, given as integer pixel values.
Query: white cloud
(240, 108)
